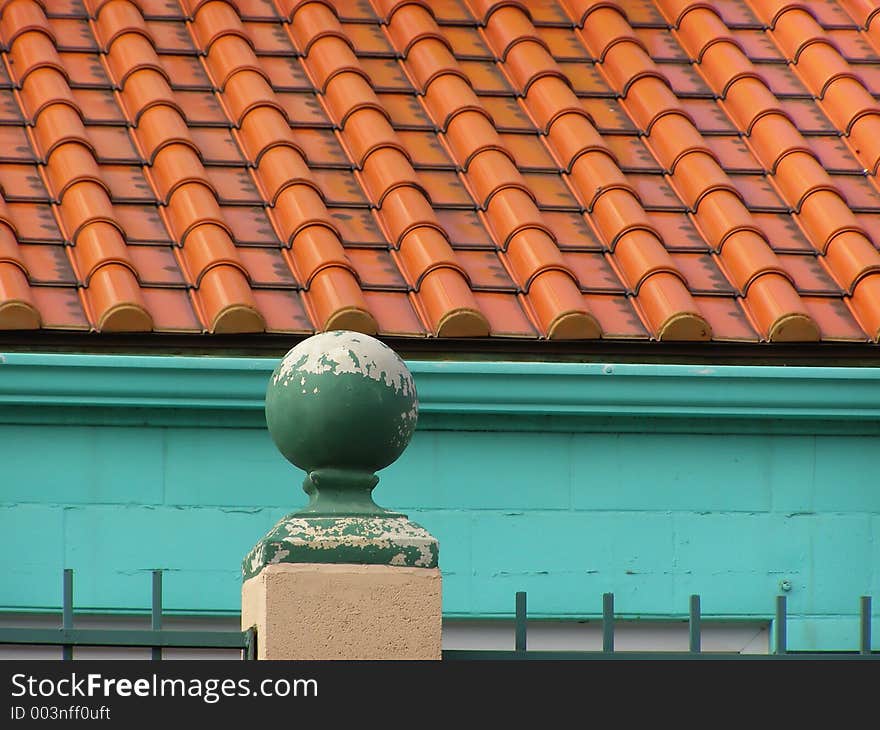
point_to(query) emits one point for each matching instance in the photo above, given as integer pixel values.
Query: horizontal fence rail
(155, 638)
(695, 651)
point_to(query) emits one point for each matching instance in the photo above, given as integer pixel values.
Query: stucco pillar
(343, 578)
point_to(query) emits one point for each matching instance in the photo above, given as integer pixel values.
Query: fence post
(694, 626)
(780, 629)
(156, 611)
(67, 610)
(342, 578)
(608, 623)
(521, 623)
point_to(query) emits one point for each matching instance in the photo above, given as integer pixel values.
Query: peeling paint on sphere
(339, 352)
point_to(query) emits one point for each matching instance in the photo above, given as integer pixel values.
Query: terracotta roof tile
(655, 169)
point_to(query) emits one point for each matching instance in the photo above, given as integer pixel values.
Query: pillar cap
(359, 540)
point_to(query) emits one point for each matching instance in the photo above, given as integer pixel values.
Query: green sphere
(341, 400)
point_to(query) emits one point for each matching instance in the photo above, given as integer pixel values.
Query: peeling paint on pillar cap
(341, 405)
(358, 540)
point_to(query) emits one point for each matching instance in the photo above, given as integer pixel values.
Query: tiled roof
(668, 170)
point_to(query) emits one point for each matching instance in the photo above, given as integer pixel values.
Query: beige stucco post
(343, 578)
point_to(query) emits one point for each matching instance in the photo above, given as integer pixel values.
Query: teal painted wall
(564, 509)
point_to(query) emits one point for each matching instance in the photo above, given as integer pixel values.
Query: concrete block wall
(652, 517)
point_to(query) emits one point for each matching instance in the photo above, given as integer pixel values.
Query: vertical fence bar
(156, 612)
(521, 625)
(780, 625)
(694, 625)
(865, 620)
(608, 623)
(250, 645)
(67, 611)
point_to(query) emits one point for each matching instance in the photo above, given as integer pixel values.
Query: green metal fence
(67, 636)
(780, 650)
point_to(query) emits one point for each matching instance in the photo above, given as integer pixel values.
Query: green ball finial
(341, 405)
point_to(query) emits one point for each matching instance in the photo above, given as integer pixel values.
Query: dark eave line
(271, 345)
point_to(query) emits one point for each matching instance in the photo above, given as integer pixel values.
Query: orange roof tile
(580, 169)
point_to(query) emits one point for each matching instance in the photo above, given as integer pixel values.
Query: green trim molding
(513, 390)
